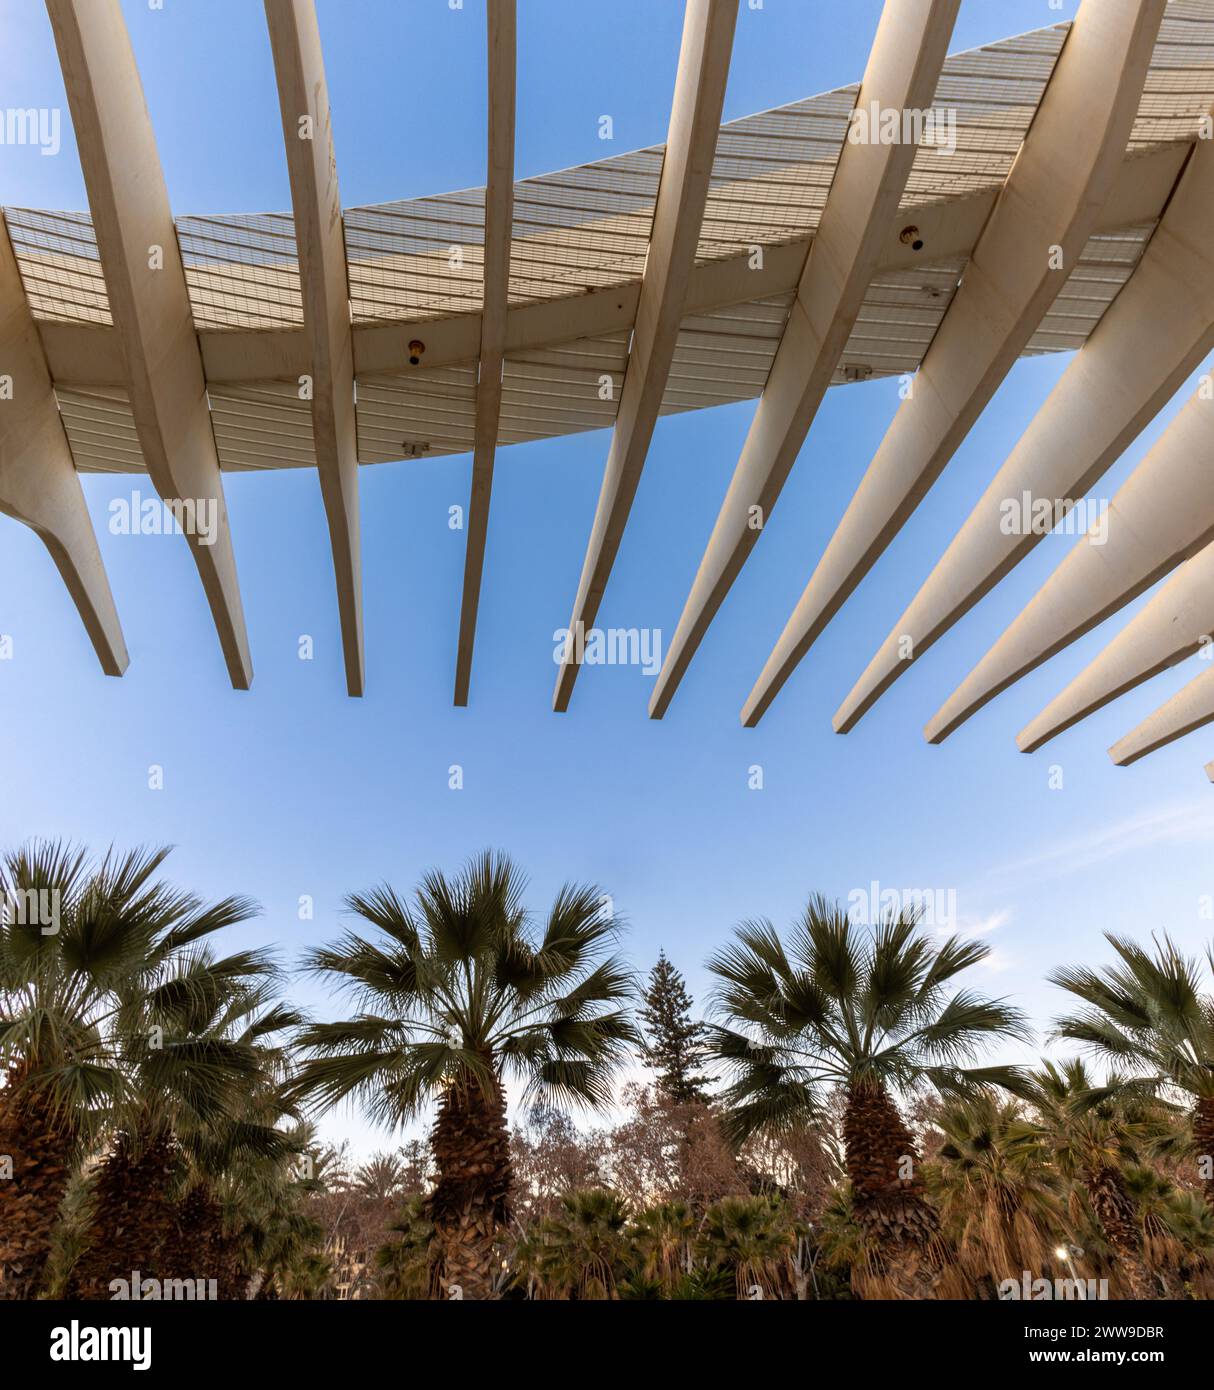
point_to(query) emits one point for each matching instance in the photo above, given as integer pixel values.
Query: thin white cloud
(997, 960)
(984, 926)
(1187, 823)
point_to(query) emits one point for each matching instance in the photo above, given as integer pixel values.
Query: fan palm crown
(873, 1012)
(458, 993)
(459, 987)
(78, 975)
(1151, 1015)
(841, 1005)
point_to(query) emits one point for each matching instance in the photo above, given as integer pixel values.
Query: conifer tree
(674, 1046)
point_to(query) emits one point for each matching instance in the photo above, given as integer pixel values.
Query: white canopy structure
(768, 258)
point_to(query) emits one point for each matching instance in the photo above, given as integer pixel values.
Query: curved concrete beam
(1048, 209)
(903, 69)
(90, 355)
(1156, 333)
(149, 302)
(1177, 622)
(499, 221)
(307, 129)
(695, 119)
(38, 480)
(1189, 709)
(1162, 514)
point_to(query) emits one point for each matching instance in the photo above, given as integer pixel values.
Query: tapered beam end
(463, 680)
(563, 691)
(780, 665)
(938, 728)
(755, 708)
(1061, 714)
(1031, 737)
(864, 695)
(95, 604)
(1126, 751)
(971, 696)
(235, 644)
(105, 633)
(72, 545)
(114, 660)
(353, 651)
(1047, 725)
(677, 660)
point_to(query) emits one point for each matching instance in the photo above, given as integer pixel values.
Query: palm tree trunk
(132, 1216)
(1203, 1140)
(197, 1247)
(1114, 1208)
(888, 1197)
(39, 1144)
(470, 1203)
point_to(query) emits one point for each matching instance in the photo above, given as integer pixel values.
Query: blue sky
(293, 789)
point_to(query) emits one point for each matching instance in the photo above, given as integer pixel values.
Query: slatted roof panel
(242, 271)
(1177, 92)
(100, 430)
(588, 228)
(562, 390)
(431, 411)
(984, 104)
(1107, 262)
(898, 320)
(266, 425)
(722, 356)
(725, 355)
(584, 228)
(60, 265)
(417, 259)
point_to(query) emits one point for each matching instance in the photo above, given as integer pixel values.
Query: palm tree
(999, 1200)
(457, 994)
(753, 1237)
(381, 1178)
(245, 1221)
(865, 1010)
(1177, 1230)
(1148, 1016)
(71, 1006)
(192, 1065)
(1087, 1133)
(663, 1239)
(581, 1251)
(404, 1264)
